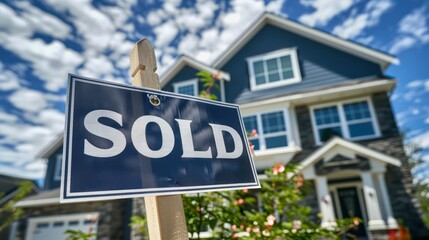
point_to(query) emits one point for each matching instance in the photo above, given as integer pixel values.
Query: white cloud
(422, 140)
(28, 100)
(324, 11)
(413, 30)
(8, 118)
(402, 43)
(8, 79)
(50, 61)
(97, 66)
(357, 23)
(11, 23)
(43, 22)
(165, 33)
(275, 6)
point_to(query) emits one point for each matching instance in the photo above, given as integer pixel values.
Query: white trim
(49, 149)
(367, 87)
(275, 55)
(333, 187)
(343, 124)
(311, 33)
(193, 82)
(37, 202)
(188, 61)
(261, 136)
(361, 150)
(31, 226)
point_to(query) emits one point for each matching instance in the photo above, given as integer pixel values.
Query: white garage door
(53, 227)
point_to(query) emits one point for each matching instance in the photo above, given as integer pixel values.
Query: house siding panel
(320, 65)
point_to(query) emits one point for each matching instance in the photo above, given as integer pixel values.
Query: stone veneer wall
(311, 201)
(112, 224)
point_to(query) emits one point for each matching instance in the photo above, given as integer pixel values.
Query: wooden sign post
(165, 214)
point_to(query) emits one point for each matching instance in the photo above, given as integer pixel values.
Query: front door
(351, 207)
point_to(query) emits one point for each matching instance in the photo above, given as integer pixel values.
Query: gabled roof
(47, 151)
(183, 61)
(357, 148)
(359, 50)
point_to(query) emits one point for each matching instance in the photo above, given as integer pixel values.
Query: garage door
(53, 227)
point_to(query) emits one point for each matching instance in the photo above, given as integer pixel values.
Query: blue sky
(42, 41)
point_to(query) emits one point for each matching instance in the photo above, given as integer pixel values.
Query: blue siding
(321, 66)
(50, 182)
(187, 73)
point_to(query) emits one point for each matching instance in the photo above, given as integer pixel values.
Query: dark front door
(350, 208)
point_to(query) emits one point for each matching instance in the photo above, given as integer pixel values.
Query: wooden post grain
(165, 214)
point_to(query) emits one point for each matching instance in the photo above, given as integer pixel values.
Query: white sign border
(67, 197)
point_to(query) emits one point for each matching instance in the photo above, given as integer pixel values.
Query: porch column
(375, 218)
(391, 221)
(325, 202)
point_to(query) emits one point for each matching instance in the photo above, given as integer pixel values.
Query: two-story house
(314, 99)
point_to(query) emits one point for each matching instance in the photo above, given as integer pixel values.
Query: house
(9, 190)
(314, 99)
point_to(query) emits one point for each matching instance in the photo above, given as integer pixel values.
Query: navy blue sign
(122, 142)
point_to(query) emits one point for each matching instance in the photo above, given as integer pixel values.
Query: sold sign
(123, 142)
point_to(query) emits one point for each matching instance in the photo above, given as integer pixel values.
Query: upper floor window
(350, 120)
(189, 87)
(267, 130)
(57, 167)
(274, 69)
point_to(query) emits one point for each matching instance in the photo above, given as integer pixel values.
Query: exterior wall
(311, 201)
(113, 219)
(398, 180)
(320, 65)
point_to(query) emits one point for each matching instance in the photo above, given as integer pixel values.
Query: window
(274, 69)
(350, 120)
(57, 167)
(189, 87)
(267, 130)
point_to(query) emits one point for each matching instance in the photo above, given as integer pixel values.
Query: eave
(383, 59)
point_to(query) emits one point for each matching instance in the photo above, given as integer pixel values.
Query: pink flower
(255, 230)
(252, 149)
(296, 224)
(235, 235)
(299, 181)
(254, 133)
(266, 233)
(233, 227)
(270, 220)
(245, 190)
(279, 168)
(240, 201)
(216, 75)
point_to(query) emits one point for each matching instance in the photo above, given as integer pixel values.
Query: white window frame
(57, 167)
(32, 222)
(261, 136)
(276, 54)
(193, 82)
(343, 122)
